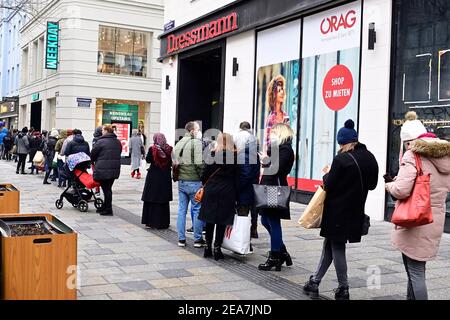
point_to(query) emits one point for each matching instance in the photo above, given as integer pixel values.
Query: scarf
(161, 151)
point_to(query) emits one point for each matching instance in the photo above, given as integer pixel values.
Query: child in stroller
(81, 184)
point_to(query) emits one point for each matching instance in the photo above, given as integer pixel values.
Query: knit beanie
(348, 133)
(412, 128)
(54, 133)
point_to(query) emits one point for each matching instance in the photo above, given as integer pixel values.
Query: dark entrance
(36, 116)
(201, 87)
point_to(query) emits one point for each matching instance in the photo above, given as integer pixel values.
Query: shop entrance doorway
(201, 87)
(36, 116)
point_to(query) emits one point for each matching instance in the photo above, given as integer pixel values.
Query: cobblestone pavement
(119, 259)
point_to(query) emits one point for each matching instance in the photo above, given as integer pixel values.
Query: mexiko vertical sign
(51, 52)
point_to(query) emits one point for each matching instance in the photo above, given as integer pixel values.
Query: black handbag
(366, 220)
(272, 197)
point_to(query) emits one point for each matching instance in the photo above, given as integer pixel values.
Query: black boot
(46, 178)
(311, 288)
(285, 256)
(208, 250)
(218, 255)
(254, 231)
(274, 260)
(341, 293)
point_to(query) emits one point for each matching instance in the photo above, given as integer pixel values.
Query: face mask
(199, 135)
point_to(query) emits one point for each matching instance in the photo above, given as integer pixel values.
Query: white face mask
(199, 135)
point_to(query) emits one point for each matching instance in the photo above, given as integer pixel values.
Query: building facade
(93, 63)
(333, 60)
(10, 25)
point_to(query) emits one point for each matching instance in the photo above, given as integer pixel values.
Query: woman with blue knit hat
(353, 173)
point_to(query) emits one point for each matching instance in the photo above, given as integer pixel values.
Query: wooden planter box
(9, 199)
(39, 267)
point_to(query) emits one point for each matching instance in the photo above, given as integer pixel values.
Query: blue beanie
(348, 133)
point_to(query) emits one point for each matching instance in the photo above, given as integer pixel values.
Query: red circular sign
(337, 87)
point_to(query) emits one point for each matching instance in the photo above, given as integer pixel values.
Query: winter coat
(8, 142)
(48, 148)
(343, 213)
(3, 134)
(23, 145)
(65, 144)
(248, 161)
(422, 243)
(62, 138)
(158, 183)
(97, 134)
(284, 162)
(191, 164)
(77, 145)
(220, 192)
(35, 146)
(135, 150)
(107, 154)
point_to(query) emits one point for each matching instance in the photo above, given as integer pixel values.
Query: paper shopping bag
(312, 216)
(237, 237)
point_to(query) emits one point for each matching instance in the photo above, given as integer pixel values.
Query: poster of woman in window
(277, 98)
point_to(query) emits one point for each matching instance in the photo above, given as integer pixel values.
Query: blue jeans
(186, 193)
(273, 226)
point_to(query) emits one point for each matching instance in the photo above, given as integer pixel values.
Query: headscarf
(161, 151)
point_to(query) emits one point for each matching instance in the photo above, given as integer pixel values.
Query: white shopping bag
(237, 237)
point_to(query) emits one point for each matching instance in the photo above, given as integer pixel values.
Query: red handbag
(416, 209)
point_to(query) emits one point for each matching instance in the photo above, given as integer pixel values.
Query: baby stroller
(79, 191)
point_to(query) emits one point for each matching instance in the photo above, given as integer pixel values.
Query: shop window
(421, 78)
(123, 52)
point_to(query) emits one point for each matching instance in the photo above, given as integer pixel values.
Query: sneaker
(190, 230)
(182, 243)
(199, 243)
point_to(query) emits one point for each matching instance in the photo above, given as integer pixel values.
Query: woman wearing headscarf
(137, 152)
(158, 184)
(48, 149)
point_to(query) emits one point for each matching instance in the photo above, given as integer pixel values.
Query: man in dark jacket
(106, 155)
(248, 161)
(78, 144)
(23, 148)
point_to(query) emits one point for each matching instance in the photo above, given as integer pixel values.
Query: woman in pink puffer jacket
(421, 244)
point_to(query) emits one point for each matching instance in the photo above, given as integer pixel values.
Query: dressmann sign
(51, 52)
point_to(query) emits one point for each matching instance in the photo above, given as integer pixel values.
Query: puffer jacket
(106, 154)
(422, 243)
(3, 134)
(78, 144)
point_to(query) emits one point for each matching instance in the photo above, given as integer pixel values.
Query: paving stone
(134, 286)
(91, 281)
(126, 277)
(231, 286)
(175, 273)
(167, 283)
(187, 291)
(100, 289)
(95, 297)
(155, 294)
(131, 262)
(97, 252)
(203, 279)
(255, 294)
(109, 240)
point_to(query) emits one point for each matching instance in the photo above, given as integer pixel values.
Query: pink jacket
(422, 243)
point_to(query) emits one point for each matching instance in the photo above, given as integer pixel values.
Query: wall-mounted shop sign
(204, 32)
(51, 52)
(170, 25)
(35, 97)
(84, 102)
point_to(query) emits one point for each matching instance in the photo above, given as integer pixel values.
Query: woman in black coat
(353, 172)
(106, 155)
(158, 185)
(220, 180)
(275, 173)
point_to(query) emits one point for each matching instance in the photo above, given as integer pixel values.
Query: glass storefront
(123, 51)
(421, 79)
(314, 90)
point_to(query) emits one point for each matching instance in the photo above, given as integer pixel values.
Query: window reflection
(122, 52)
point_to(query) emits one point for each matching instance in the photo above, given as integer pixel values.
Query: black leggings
(21, 163)
(136, 170)
(220, 233)
(107, 191)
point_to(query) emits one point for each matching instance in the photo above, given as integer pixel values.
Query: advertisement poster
(277, 82)
(330, 82)
(122, 131)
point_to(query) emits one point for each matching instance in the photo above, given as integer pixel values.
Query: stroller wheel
(98, 203)
(75, 205)
(59, 204)
(83, 206)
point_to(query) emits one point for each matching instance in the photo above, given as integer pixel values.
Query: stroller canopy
(77, 158)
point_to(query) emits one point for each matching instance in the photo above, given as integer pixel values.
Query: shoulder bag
(366, 220)
(272, 197)
(416, 209)
(199, 194)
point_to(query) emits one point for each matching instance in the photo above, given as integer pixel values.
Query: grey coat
(135, 151)
(23, 144)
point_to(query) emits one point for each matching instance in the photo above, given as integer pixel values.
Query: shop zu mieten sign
(51, 52)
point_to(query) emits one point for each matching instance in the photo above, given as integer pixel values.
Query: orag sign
(337, 87)
(336, 23)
